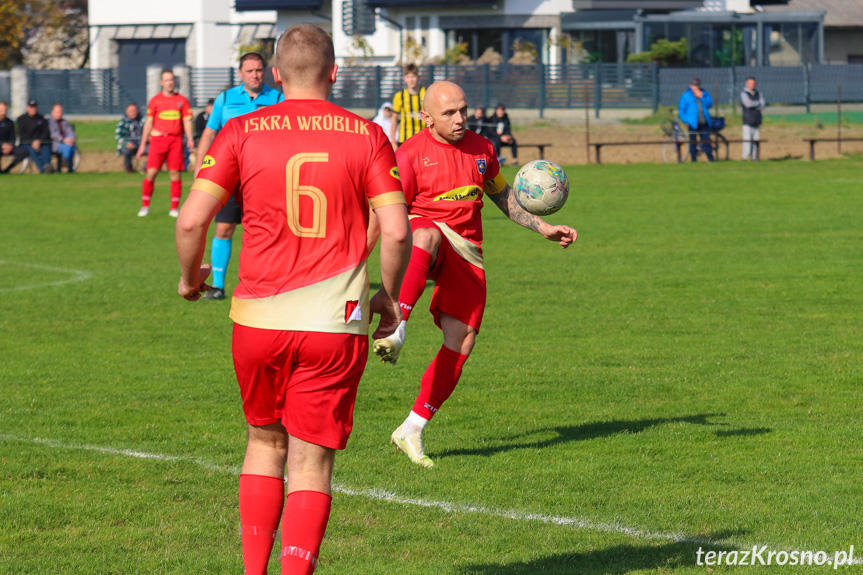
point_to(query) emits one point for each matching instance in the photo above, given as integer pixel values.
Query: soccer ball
(541, 187)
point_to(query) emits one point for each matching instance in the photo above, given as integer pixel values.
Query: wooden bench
(599, 145)
(679, 145)
(541, 148)
(813, 141)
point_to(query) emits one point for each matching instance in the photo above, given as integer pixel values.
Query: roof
(840, 13)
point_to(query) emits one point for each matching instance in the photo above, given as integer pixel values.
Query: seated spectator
(128, 136)
(7, 140)
(482, 125)
(504, 132)
(201, 121)
(35, 137)
(384, 119)
(63, 138)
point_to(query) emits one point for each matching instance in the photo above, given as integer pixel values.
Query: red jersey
(304, 173)
(445, 182)
(168, 113)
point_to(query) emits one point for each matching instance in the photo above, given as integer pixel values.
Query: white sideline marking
(382, 495)
(76, 276)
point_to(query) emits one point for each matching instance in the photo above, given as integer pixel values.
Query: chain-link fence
(600, 86)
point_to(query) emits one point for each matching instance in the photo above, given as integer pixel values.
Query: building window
(502, 45)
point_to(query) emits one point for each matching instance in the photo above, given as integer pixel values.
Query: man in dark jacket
(36, 136)
(483, 126)
(504, 133)
(7, 140)
(753, 102)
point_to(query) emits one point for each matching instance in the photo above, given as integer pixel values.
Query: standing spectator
(384, 119)
(504, 133)
(252, 94)
(301, 311)
(693, 109)
(753, 102)
(128, 135)
(35, 137)
(169, 116)
(7, 140)
(201, 121)
(408, 104)
(63, 138)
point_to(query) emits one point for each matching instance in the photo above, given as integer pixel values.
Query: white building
(198, 33)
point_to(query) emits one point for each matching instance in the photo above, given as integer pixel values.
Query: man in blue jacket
(693, 109)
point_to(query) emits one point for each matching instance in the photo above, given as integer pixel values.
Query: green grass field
(687, 376)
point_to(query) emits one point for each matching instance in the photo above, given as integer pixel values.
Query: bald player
(305, 173)
(445, 171)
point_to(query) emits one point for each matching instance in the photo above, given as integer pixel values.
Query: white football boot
(411, 445)
(389, 348)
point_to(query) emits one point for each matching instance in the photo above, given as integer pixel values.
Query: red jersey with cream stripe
(168, 113)
(445, 182)
(304, 173)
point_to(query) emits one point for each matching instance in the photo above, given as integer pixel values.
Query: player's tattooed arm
(505, 200)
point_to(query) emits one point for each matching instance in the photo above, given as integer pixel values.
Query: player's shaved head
(445, 111)
(305, 56)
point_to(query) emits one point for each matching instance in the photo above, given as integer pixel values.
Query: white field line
(74, 276)
(389, 497)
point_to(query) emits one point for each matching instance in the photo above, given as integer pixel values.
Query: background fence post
(733, 90)
(378, 91)
(486, 80)
(654, 81)
(20, 88)
(541, 90)
(597, 92)
(807, 93)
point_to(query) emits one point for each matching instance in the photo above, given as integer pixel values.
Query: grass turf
(687, 375)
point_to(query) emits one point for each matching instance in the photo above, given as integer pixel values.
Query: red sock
(261, 500)
(303, 527)
(176, 192)
(415, 280)
(439, 381)
(146, 192)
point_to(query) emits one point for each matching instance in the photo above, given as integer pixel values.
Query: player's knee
(225, 231)
(272, 437)
(427, 239)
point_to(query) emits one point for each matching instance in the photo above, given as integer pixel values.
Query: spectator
(201, 121)
(753, 102)
(128, 136)
(35, 137)
(384, 119)
(62, 138)
(482, 125)
(407, 104)
(503, 130)
(693, 109)
(7, 140)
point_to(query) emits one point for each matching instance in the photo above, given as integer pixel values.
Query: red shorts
(162, 147)
(305, 380)
(459, 288)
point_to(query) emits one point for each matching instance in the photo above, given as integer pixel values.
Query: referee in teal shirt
(247, 97)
